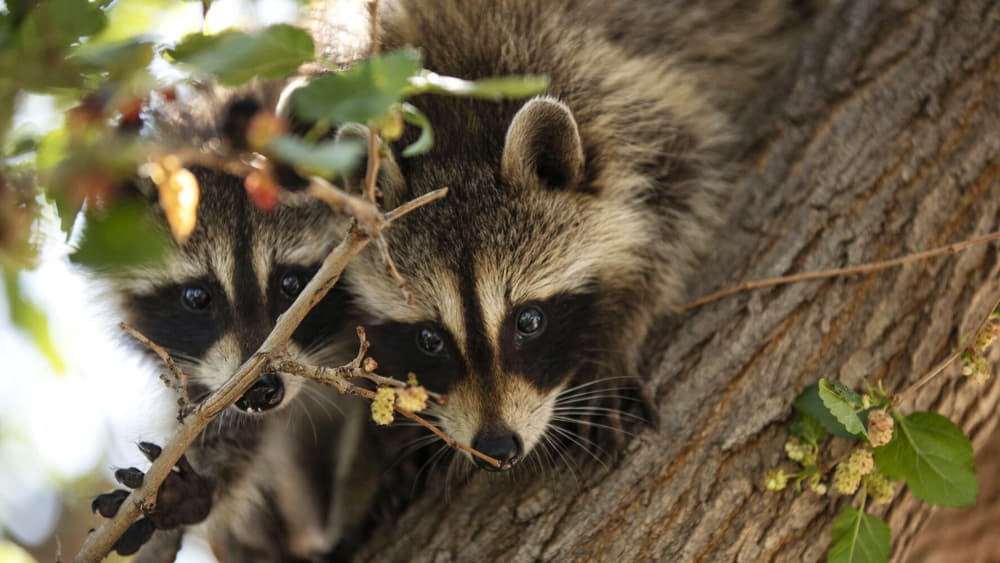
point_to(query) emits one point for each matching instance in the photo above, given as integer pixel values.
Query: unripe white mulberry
(382, 405)
(879, 487)
(412, 398)
(880, 426)
(775, 479)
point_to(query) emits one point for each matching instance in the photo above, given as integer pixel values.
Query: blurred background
(72, 414)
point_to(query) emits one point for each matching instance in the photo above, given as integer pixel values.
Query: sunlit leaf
(859, 537)
(499, 88)
(130, 18)
(124, 235)
(843, 403)
(26, 316)
(934, 457)
(425, 142)
(364, 92)
(809, 402)
(234, 57)
(327, 159)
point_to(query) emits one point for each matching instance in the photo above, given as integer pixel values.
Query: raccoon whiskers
(581, 441)
(550, 442)
(586, 410)
(431, 463)
(585, 422)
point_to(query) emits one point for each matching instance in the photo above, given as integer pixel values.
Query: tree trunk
(880, 140)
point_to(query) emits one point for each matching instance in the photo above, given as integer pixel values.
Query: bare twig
(100, 542)
(180, 378)
(964, 345)
(390, 268)
(368, 368)
(373, 15)
(861, 269)
(365, 212)
(338, 378)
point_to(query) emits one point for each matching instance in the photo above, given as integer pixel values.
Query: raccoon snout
(266, 394)
(506, 448)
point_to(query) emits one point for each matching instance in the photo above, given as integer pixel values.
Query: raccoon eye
(530, 322)
(430, 342)
(195, 297)
(293, 283)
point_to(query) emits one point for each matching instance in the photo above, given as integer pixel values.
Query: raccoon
(572, 220)
(261, 476)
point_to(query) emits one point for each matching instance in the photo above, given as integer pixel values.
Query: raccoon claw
(134, 537)
(131, 477)
(107, 505)
(184, 498)
(150, 450)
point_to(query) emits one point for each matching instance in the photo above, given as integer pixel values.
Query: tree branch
(100, 542)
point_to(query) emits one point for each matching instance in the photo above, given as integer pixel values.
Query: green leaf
(414, 116)
(30, 319)
(124, 235)
(235, 57)
(120, 59)
(809, 403)
(364, 92)
(807, 429)
(843, 404)
(934, 457)
(506, 87)
(130, 18)
(859, 537)
(328, 159)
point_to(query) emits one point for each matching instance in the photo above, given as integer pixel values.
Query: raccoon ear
(543, 146)
(389, 174)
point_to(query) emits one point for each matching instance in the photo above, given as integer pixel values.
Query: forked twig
(180, 378)
(100, 542)
(963, 346)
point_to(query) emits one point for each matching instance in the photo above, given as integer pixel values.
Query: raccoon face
(524, 279)
(215, 299)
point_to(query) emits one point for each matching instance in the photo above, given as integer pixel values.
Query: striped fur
(590, 204)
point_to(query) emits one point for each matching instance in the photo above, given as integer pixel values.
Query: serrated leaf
(425, 142)
(122, 236)
(934, 457)
(859, 537)
(807, 429)
(235, 57)
(30, 319)
(808, 402)
(364, 92)
(843, 404)
(499, 88)
(327, 159)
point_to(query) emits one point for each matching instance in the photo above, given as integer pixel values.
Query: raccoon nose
(505, 448)
(266, 394)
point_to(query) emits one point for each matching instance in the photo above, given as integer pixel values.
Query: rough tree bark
(882, 139)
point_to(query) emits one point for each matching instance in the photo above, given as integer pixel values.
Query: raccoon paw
(184, 498)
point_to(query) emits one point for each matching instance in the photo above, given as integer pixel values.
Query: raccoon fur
(270, 462)
(572, 220)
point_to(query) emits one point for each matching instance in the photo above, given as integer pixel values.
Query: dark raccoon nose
(266, 394)
(505, 448)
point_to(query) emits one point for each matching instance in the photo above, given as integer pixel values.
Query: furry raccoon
(267, 466)
(572, 219)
